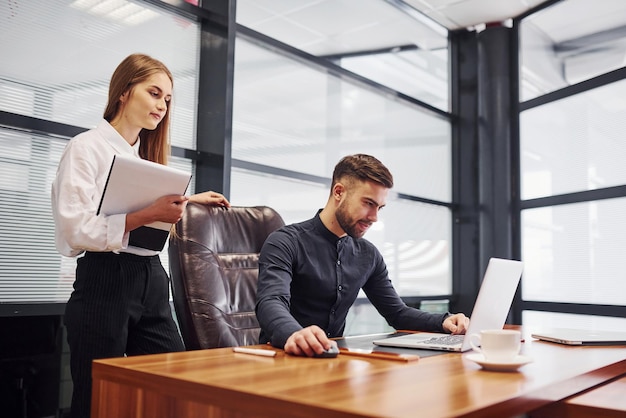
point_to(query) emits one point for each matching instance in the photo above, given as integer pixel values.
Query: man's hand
(307, 342)
(210, 198)
(456, 324)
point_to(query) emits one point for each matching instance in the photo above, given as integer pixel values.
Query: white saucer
(518, 362)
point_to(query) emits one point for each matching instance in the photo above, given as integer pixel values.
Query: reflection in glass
(556, 52)
(294, 117)
(422, 74)
(355, 34)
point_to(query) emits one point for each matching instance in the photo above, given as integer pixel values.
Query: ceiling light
(119, 11)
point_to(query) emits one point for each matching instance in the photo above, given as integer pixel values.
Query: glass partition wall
(302, 103)
(57, 59)
(313, 81)
(573, 177)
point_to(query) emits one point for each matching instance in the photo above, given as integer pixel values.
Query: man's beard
(346, 223)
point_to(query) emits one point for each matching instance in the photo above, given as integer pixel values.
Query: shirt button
(340, 287)
(338, 262)
(328, 334)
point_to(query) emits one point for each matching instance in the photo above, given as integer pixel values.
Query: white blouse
(77, 191)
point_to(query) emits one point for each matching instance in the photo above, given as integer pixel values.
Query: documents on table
(133, 184)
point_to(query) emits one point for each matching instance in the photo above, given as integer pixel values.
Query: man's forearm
(276, 322)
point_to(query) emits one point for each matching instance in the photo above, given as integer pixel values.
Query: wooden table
(219, 383)
(606, 401)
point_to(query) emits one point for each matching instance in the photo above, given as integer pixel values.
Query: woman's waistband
(123, 256)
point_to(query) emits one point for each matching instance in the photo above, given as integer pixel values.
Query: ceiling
(319, 27)
(580, 41)
(450, 14)
(461, 14)
(303, 18)
(326, 27)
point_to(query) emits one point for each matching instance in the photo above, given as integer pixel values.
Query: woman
(120, 303)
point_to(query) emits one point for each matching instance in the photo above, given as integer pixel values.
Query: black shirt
(309, 276)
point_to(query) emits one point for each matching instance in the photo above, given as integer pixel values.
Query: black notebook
(133, 184)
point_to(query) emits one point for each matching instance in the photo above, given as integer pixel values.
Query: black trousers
(119, 306)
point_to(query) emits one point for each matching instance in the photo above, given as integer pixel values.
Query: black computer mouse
(332, 352)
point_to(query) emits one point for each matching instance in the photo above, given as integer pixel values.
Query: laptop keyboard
(445, 340)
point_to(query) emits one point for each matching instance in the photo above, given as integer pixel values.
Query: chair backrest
(214, 269)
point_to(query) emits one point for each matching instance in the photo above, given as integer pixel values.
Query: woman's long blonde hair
(136, 68)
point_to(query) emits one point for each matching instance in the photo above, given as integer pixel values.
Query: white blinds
(57, 59)
(31, 270)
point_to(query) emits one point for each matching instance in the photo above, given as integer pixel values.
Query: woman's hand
(168, 209)
(210, 198)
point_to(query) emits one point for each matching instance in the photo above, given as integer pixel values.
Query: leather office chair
(214, 268)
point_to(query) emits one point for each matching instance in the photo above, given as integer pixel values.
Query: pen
(379, 354)
(255, 351)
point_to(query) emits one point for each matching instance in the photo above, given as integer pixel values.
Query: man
(310, 273)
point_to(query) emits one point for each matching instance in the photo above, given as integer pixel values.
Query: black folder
(133, 184)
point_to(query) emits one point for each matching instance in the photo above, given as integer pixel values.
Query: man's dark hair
(362, 167)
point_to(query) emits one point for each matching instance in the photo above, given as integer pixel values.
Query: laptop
(490, 311)
(581, 337)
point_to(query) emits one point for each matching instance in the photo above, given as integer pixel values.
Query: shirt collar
(323, 231)
(116, 140)
(135, 147)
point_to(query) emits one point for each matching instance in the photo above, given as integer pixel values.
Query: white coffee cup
(497, 345)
